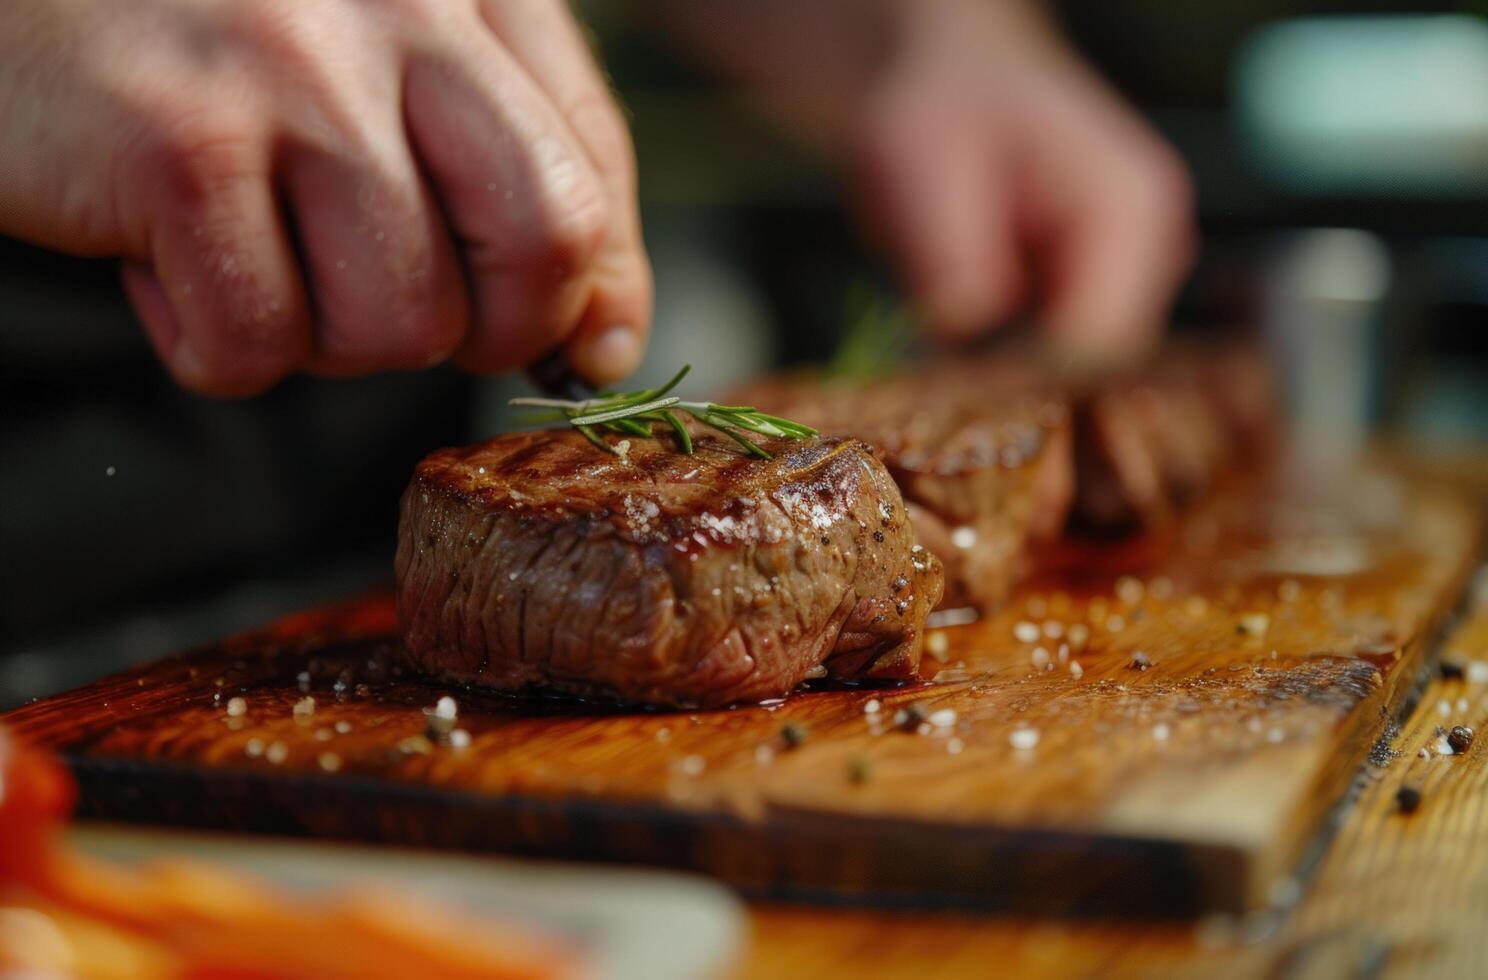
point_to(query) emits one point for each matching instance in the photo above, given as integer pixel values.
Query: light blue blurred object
(1380, 104)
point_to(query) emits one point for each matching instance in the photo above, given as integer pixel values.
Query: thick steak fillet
(534, 560)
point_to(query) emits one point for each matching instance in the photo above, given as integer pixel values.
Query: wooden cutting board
(1278, 637)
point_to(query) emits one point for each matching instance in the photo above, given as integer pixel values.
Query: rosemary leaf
(683, 436)
(612, 414)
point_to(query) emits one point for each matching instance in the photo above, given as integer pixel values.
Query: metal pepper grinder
(1322, 315)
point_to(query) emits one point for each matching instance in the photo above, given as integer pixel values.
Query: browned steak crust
(534, 560)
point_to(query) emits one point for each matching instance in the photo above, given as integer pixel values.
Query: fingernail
(609, 355)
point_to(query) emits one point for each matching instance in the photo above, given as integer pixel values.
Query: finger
(388, 289)
(1120, 243)
(525, 203)
(943, 212)
(546, 41)
(222, 298)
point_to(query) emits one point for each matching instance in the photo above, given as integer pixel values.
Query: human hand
(1003, 176)
(332, 186)
(996, 170)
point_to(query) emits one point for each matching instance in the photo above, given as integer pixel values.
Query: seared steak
(535, 560)
(980, 452)
(995, 453)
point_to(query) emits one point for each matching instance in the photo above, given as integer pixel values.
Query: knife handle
(553, 377)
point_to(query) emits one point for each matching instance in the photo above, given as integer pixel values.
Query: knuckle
(598, 122)
(196, 157)
(569, 237)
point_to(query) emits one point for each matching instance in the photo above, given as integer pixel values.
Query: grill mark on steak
(633, 582)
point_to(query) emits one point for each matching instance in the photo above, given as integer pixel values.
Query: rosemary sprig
(636, 412)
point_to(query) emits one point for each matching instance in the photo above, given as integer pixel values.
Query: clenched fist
(333, 186)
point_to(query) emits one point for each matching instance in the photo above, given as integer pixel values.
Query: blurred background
(1341, 156)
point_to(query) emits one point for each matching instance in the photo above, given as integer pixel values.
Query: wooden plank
(1280, 634)
(1396, 896)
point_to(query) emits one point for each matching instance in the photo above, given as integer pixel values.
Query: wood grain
(1280, 633)
(1396, 895)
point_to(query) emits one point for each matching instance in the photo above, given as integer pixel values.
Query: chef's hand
(996, 169)
(334, 186)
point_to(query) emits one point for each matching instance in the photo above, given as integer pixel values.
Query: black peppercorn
(913, 716)
(1408, 798)
(1451, 670)
(1460, 738)
(793, 734)
(1139, 661)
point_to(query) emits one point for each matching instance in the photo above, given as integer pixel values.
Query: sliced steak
(980, 452)
(534, 560)
(996, 453)
(1152, 440)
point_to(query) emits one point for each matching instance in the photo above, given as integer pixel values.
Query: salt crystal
(964, 537)
(1078, 635)
(1161, 731)
(446, 707)
(1129, 589)
(1462, 704)
(938, 644)
(343, 727)
(1289, 590)
(1254, 624)
(459, 739)
(1275, 735)
(944, 718)
(254, 748)
(1040, 657)
(1076, 670)
(303, 679)
(304, 707)
(1063, 653)
(1053, 629)
(1443, 707)
(329, 761)
(277, 753)
(1477, 672)
(954, 746)
(1115, 624)
(663, 734)
(691, 765)
(237, 707)
(1024, 739)
(324, 734)
(1026, 632)
(764, 755)
(872, 707)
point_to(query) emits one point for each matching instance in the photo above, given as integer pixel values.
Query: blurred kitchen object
(1382, 105)
(1321, 319)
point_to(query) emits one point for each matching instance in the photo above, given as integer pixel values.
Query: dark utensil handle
(556, 379)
